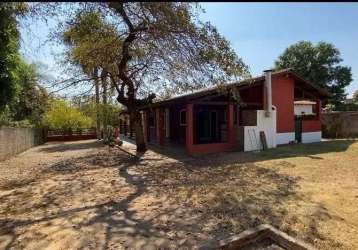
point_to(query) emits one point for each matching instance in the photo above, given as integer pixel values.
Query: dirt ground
(82, 195)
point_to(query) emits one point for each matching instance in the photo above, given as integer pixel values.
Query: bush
(62, 116)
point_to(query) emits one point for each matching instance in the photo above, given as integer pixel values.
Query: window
(182, 117)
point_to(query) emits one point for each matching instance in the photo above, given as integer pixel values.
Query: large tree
(146, 48)
(32, 99)
(9, 52)
(319, 64)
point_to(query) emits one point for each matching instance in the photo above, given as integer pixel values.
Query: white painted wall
(311, 137)
(252, 133)
(306, 108)
(285, 138)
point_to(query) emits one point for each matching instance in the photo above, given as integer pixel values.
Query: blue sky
(259, 32)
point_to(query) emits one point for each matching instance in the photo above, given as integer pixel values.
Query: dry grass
(82, 195)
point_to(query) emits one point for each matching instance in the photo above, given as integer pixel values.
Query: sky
(259, 32)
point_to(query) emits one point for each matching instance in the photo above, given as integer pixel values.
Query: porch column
(189, 138)
(159, 126)
(230, 124)
(145, 126)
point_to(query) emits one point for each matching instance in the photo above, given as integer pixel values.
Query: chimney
(268, 92)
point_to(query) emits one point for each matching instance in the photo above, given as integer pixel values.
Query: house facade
(252, 114)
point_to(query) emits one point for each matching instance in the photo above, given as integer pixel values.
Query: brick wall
(16, 140)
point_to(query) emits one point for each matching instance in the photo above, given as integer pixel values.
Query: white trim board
(311, 137)
(284, 138)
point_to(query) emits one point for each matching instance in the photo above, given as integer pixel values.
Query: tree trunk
(98, 122)
(136, 120)
(104, 99)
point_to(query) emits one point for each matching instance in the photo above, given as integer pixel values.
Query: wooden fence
(80, 134)
(343, 124)
(16, 140)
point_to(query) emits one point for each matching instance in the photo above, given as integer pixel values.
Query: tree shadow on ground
(69, 146)
(309, 150)
(153, 201)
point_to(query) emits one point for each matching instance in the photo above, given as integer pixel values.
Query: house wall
(311, 125)
(252, 95)
(311, 129)
(283, 100)
(311, 137)
(252, 133)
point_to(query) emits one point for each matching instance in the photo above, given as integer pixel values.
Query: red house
(277, 108)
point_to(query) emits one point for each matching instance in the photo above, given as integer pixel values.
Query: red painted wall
(283, 98)
(311, 126)
(252, 95)
(71, 137)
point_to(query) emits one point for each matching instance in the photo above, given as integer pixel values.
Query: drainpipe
(268, 87)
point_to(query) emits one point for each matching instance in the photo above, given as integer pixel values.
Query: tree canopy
(146, 49)
(22, 99)
(62, 116)
(32, 100)
(9, 53)
(89, 108)
(320, 64)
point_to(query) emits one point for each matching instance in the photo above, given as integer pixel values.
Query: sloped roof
(244, 82)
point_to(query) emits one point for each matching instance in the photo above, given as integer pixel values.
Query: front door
(298, 128)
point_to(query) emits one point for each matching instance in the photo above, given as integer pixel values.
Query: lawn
(83, 195)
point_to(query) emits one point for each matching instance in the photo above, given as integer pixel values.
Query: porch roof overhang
(245, 83)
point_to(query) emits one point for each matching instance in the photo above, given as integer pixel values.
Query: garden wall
(16, 140)
(343, 124)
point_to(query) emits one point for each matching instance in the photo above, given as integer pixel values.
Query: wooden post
(145, 126)
(189, 138)
(230, 124)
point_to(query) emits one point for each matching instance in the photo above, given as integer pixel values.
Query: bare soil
(83, 195)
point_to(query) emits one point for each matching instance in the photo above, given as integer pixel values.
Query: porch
(199, 127)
